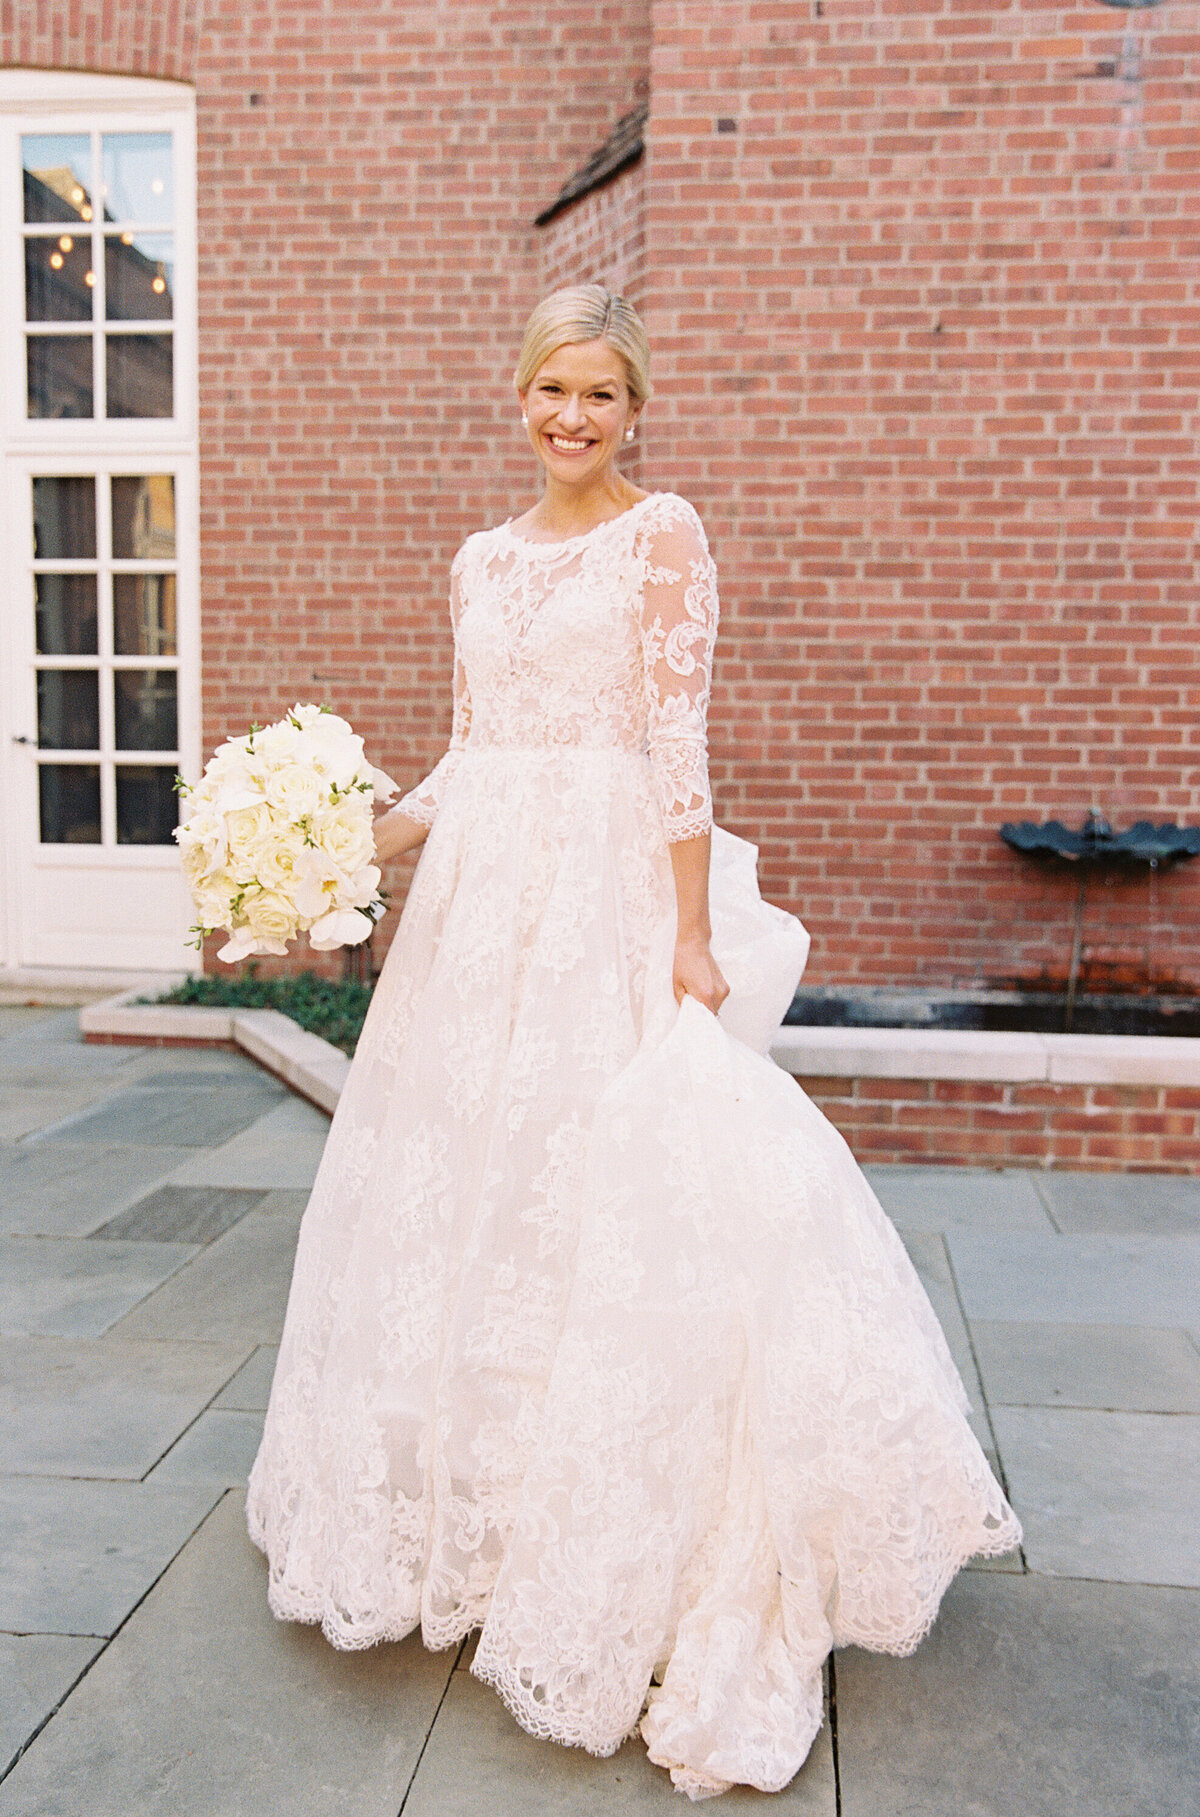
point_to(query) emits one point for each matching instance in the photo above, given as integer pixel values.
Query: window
(99, 263)
(106, 650)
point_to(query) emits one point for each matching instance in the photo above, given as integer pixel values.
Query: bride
(598, 1340)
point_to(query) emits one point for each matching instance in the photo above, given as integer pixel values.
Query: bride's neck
(569, 509)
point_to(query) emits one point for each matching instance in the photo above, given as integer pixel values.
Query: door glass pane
(147, 806)
(59, 279)
(145, 704)
(140, 375)
(59, 375)
(138, 181)
(66, 614)
(144, 614)
(68, 709)
(58, 176)
(143, 517)
(139, 277)
(64, 517)
(70, 803)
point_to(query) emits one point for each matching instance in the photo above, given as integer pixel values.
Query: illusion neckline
(566, 542)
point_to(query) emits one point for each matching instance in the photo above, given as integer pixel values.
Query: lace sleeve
(679, 628)
(421, 804)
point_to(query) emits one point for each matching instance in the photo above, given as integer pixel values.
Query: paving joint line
(987, 1408)
(833, 1735)
(109, 1638)
(51, 1714)
(207, 1408)
(1046, 1205)
(462, 1647)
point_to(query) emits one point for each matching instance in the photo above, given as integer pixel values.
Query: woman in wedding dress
(598, 1340)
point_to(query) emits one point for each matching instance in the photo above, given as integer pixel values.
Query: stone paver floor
(149, 1203)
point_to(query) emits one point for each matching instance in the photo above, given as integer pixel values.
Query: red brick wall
(928, 333)
(926, 336)
(125, 39)
(601, 239)
(1136, 1128)
(369, 181)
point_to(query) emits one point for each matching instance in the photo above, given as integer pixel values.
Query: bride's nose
(571, 415)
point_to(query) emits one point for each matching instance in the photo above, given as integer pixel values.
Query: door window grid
(99, 274)
(107, 716)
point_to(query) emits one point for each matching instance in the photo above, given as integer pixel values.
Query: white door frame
(98, 912)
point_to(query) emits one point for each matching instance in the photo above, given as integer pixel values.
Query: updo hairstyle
(587, 312)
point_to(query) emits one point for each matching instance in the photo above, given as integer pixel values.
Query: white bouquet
(278, 840)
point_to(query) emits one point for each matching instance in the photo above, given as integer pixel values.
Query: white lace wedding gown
(598, 1339)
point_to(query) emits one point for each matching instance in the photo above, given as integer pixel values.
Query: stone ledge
(982, 1057)
(312, 1067)
(317, 1070)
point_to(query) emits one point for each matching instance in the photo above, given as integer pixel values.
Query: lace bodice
(603, 641)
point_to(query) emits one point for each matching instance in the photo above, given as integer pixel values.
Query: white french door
(99, 644)
(99, 615)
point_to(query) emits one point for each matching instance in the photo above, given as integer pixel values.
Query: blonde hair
(586, 312)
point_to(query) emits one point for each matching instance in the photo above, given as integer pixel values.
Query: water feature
(1095, 847)
(1003, 1011)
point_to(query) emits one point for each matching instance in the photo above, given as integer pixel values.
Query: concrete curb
(312, 1067)
(318, 1070)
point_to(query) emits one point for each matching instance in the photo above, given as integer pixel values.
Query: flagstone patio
(149, 1204)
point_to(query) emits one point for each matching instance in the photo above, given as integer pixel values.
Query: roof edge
(623, 147)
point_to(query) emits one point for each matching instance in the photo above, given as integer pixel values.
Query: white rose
(333, 750)
(212, 905)
(203, 842)
(345, 834)
(251, 833)
(277, 743)
(277, 864)
(269, 916)
(293, 791)
(234, 784)
(309, 714)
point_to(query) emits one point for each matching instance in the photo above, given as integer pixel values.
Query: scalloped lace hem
(1007, 1538)
(698, 1785)
(536, 1718)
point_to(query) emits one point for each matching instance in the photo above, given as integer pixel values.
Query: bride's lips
(568, 444)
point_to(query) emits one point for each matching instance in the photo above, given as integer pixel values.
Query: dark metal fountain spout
(1096, 846)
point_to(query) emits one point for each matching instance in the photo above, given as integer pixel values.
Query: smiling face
(579, 408)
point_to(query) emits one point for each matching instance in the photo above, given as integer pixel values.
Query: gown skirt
(598, 1339)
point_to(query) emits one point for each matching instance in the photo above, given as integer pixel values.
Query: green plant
(331, 1008)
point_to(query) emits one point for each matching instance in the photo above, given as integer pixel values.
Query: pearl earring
(524, 420)
(629, 433)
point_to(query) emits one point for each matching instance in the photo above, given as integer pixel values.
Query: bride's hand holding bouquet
(279, 837)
